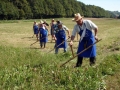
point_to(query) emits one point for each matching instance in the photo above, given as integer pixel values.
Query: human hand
(55, 38)
(71, 43)
(69, 36)
(96, 38)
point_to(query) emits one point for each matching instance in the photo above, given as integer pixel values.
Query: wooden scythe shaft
(58, 45)
(80, 53)
(34, 42)
(72, 50)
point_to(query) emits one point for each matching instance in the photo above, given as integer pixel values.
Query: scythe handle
(72, 50)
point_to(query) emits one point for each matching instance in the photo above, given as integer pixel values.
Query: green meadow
(28, 67)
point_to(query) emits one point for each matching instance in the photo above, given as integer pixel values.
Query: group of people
(85, 28)
(41, 32)
(58, 33)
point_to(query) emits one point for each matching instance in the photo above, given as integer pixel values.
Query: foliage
(27, 9)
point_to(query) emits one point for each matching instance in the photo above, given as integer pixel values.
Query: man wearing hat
(60, 36)
(46, 23)
(88, 34)
(43, 34)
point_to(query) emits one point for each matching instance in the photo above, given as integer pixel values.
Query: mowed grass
(25, 67)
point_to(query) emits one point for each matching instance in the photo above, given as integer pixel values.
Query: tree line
(36, 9)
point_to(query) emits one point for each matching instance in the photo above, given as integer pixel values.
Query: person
(43, 34)
(46, 26)
(46, 23)
(35, 29)
(60, 36)
(88, 35)
(52, 26)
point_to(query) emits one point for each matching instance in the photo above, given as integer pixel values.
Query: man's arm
(71, 41)
(68, 33)
(66, 29)
(73, 35)
(96, 30)
(94, 27)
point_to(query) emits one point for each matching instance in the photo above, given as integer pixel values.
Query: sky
(111, 5)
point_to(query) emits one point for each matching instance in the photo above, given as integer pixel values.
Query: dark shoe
(92, 63)
(78, 65)
(56, 53)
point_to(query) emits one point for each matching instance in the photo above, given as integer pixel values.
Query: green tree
(26, 9)
(8, 11)
(22, 14)
(50, 5)
(67, 7)
(59, 10)
(23, 7)
(38, 8)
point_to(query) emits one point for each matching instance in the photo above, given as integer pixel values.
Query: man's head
(59, 23)
(52, 20)
(78, 18)
(41, 23)
(35, 22)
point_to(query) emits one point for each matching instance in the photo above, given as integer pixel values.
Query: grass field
(25, 67)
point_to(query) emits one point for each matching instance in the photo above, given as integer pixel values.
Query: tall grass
(29, 69)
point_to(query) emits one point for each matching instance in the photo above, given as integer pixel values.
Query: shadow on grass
(26, 37)
(34, 48)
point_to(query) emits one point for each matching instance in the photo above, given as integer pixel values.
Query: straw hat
(44, 20)
(77, 17)
(52, 20)
(41, 22)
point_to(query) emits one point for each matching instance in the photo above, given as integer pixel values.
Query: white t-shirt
(65, 28)
(86, 24)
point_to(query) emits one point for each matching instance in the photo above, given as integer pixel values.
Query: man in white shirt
(60, 36)
(88, 34)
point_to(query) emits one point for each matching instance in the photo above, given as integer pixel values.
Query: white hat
(77, 17)
(41, 22)
(44, 20)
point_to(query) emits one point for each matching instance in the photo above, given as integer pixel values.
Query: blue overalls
(35, 28)
(87, 40)
(61, 36)
(43, 35)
